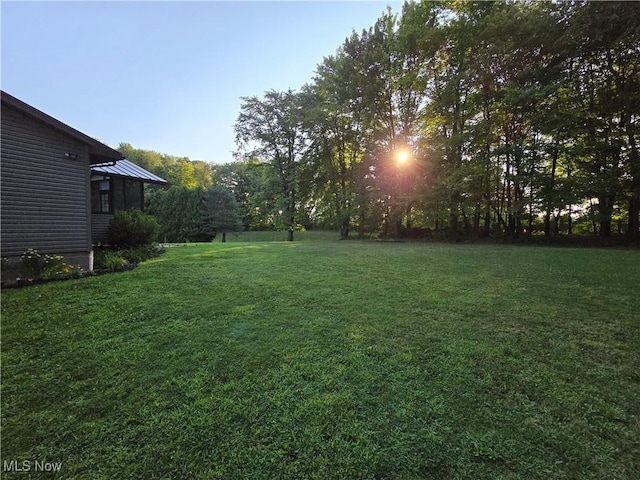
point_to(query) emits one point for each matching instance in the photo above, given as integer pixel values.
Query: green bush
(132, 228)
(135, 255)
(109, 260)
(140, 254)
(115, 260)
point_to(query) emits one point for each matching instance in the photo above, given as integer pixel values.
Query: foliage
(46, 267)
(516, 114)
(132, 228)
(380, 361)
(116, 260)
(141, 254)
(110, 260)
(270, 129)
(178, 171)
(179, 214)
(251, 183)
(520, 117)
(220, 212)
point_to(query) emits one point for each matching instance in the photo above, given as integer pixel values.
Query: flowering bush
(47, 267)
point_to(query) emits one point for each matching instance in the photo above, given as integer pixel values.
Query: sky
(167, 76)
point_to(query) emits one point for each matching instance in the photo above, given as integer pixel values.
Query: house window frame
(104, 194)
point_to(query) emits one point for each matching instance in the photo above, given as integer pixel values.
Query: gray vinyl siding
(44, 195)
(100, 228)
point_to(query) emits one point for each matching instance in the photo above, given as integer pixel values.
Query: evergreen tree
(220, 212)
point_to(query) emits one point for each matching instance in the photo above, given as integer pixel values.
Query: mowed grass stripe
(326, 359)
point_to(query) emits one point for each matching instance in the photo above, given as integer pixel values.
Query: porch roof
(125, 168)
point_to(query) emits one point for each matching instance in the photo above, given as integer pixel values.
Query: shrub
(135, 255)
(140, 254)
(115, 260)
(47, 267)
(132, 228)
(109, 260)
(156, 250)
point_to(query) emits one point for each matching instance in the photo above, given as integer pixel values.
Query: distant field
(330, 360)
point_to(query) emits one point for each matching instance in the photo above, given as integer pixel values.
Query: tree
(605, 62)
(518, 115)
(178, 171)
(271, 129)
(249, 180)
(179, 214)
(334, 125)
(220, 212)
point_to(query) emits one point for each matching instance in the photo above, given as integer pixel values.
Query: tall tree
(334, 124)
(605, 42)
(271, 129)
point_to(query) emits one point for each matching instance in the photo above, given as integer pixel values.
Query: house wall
(126, 194)
(100, 228)
(44, 195)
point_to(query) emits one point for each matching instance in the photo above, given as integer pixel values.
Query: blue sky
(167, 76)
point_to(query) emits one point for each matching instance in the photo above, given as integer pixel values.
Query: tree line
(194, 207)
(512, 118)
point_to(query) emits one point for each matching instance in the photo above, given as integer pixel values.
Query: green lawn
(330, 360)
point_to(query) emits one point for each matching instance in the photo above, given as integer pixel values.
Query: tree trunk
(291, 213)
(570, 218)
(467, 223)
(633, 230)
(605, 210)
(547, 215)
(518, 210)
(594, 225)
(343, 229)
(487, 219)
(224, 237)
(476, 219)
(511, 223)
(453, 223)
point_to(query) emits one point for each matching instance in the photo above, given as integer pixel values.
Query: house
(116, 186)
(59, 187)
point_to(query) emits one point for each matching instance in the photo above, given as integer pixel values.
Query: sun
(403, 155)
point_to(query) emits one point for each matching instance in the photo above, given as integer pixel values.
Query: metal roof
(125, 168)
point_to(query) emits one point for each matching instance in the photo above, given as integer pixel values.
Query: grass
(331, 360)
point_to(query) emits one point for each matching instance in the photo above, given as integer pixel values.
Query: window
(101, 196)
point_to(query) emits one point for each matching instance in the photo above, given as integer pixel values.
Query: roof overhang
(126, 169)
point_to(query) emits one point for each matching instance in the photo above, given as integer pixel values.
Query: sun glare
(402, 155)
